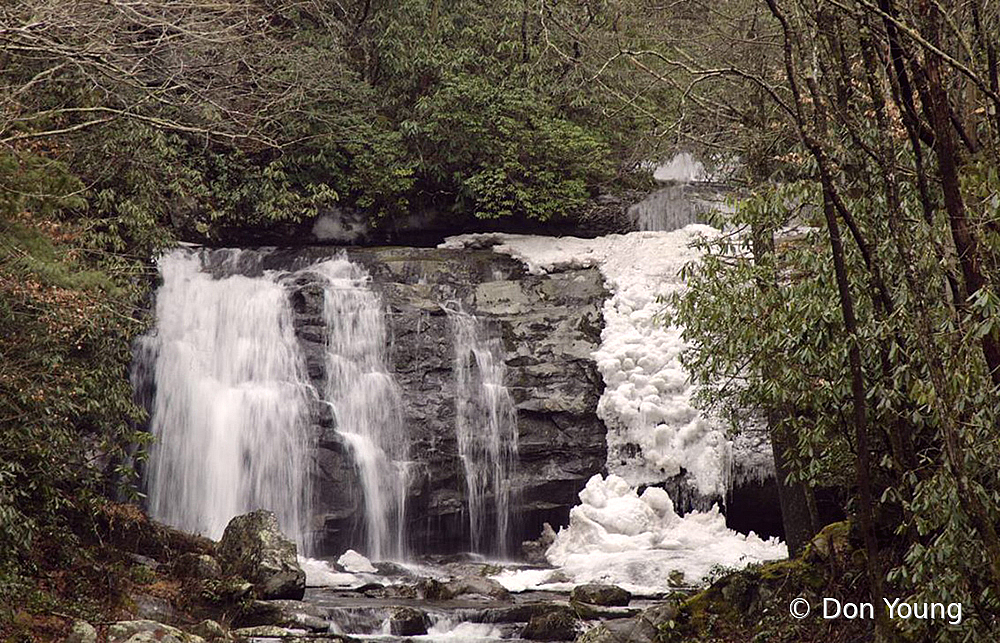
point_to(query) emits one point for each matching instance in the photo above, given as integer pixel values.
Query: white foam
(448, 630)
(682, 167)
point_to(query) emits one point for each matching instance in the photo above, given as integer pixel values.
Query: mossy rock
(254, 548)
(600, 594)
(557, 625)
(834, 543)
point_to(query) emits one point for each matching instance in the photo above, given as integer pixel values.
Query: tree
(893, 104)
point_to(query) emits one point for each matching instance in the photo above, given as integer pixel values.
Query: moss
(752, 604)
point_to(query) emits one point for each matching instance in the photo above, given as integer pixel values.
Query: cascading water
(230, 408)
(366, 401)
(486, 429)
(670, 208)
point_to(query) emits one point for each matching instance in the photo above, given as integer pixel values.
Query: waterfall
(230, 408)
(486, 430)
(366, 401)
(671, 208)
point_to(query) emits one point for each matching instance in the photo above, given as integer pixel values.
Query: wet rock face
(254, 548)
(408, 621)
(549, 326)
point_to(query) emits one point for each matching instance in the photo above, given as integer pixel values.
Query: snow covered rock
(355, 563)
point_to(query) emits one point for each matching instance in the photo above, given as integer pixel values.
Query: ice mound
(647, 397)
(618, 536)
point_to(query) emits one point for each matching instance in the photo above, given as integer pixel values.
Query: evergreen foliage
(125, 126)
(854, 305)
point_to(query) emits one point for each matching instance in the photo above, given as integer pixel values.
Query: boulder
(520, 613)
(556, 625)
(82, 632)
(408, 621)
(476, 585)
(263, 631)
(153, 608)
(621, 631)
(662, 613)
(434, 590)
(282, 613)
(209, 630)
(194, 565)
(254, 548)
(144, 631)
(394, 570)
(599, 594)
(644, 628)
(224, 591)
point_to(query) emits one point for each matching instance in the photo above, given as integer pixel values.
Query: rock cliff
(549, 326)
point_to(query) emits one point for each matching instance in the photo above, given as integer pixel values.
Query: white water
(486, 430)
(230, 409)
(683, 167)
(366, 401)
(670, 208)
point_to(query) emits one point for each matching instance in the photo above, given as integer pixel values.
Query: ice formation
(654, 431)
(638, 542)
